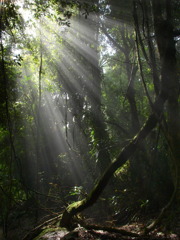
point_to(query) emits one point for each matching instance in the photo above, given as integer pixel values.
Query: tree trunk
(170, 82)
(101, 137)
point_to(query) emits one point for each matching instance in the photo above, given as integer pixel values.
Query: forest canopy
(89, 113)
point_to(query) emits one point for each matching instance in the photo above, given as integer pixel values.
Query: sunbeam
(89, 119)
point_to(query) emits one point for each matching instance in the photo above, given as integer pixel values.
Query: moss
(73, 206)
(48, 230)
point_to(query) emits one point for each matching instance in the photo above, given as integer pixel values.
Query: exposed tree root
(53, 221)
(110, 229)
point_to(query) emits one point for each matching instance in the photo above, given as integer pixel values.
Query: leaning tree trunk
(125, 154)
(168, 56)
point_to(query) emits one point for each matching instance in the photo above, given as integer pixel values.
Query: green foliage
(78, 192)
(10, 18)
(65, 106)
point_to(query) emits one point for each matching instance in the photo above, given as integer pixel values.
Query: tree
(65, 114)
(167, 50)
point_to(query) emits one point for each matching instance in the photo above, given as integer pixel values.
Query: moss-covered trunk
(125, 154)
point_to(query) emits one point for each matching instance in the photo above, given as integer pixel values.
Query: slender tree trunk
(166, 45)
(98, 122)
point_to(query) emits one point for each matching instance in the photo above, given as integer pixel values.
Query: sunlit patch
(59, 69)
(2, 2)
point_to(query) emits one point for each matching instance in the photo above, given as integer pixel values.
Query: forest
(89, 119)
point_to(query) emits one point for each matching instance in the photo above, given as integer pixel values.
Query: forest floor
(84, 234)
(43, 224)
(22, 226)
